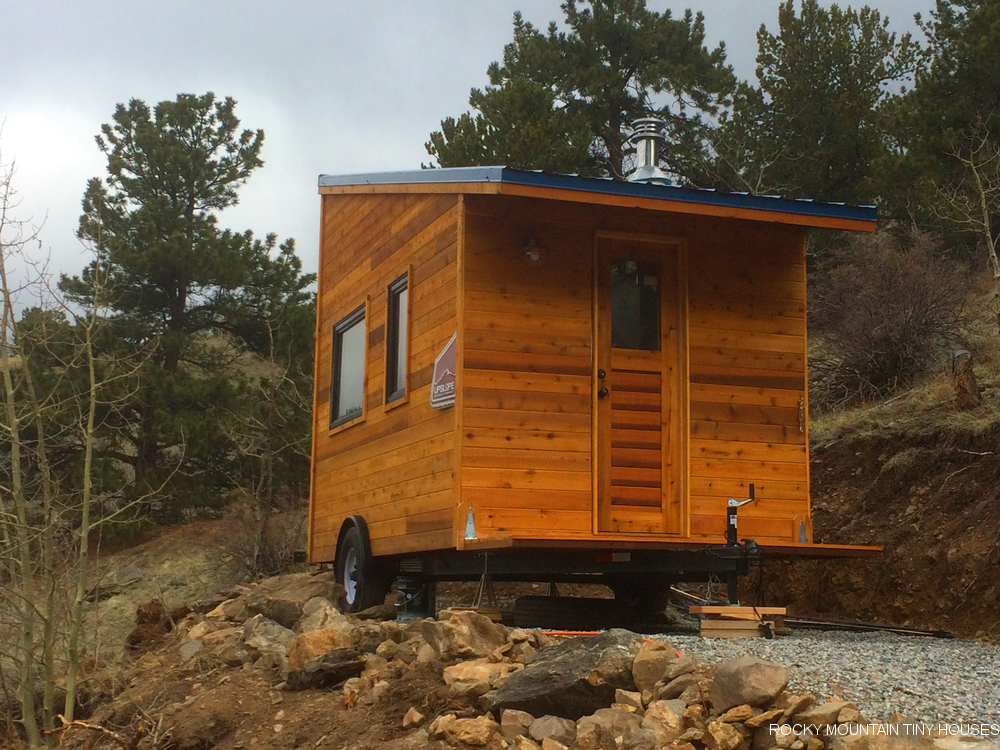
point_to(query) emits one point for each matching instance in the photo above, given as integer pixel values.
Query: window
(347, 391)
(635, 305)
(395, 340)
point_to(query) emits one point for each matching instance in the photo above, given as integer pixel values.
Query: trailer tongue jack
(732, 507)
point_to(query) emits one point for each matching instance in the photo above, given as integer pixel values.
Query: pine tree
(195, 294)
(563, 101)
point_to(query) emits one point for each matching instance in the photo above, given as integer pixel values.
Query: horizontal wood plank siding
(396, 468)
(528, 336)
(526, 420)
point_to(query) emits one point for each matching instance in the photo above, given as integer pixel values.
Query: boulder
(319, 614)
(663, 721)
(475, 677)
(313, 644)
(329, 670)
(850, 715)
(267, 636)
(426, 654)
(550, 744)
(413, 718)
(463, 634)
(721, 736)
(393, 631)
(203, 628)
(514, 723)
(650, 664)
(795, 704)
(282, 598)
(747, 680)
(525, 743)
(553, 727)
(574, 678)
(476, 732)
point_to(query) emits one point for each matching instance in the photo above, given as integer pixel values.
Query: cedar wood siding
(526, 384)
(396, 468)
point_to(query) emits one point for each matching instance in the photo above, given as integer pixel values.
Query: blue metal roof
(607, 186)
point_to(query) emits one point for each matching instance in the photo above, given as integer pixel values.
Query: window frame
(358, 315)
(400, 395)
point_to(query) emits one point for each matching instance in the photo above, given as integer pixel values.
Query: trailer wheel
(365, 584)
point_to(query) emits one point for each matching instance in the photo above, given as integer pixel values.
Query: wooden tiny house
(615, 361)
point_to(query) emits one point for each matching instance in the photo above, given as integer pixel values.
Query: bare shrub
(882, 313)
(261, 543)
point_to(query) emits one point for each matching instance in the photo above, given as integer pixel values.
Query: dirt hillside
(923, 482)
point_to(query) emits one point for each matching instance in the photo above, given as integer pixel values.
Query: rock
(282, 598)
(408, 649)
(550, 744)
(573, 679)
(475, 677)
(850, 715)
(795, 704)
(426, 654)
(814, 743)
(267, 636)
(663, 721)
(314, 643)
(201, 629)
(477, 732)
(328, 670)
(367, 636)
(234, 610)
(393, 631)
(681, 666)
(747, 680)
(629, 698)
(605, 726)
(553, 727)
(692, 715)
(514, 723)
(436, 728)
(650, 664)
(463, 634)
(737, 713)
(675, 687)
(721, 736)
(823, 714)
(763, 719)
(524, 743)
(351, 690)
(319, 614)
(378, 612)
(413, 718)
(189, 649)
(223, 636)
(387, 650)
(233, 655)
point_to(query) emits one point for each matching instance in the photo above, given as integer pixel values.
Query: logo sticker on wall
(443, 384)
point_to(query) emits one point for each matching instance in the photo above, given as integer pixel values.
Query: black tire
(363, 580)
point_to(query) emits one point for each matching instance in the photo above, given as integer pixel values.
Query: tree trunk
(967, 395)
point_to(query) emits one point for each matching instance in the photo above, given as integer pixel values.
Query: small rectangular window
(348, 386)
(635, 305)
(395, 340)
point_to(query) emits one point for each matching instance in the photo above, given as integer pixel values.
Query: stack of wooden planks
(739, 622)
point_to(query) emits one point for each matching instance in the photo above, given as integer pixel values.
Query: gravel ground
(925, 679)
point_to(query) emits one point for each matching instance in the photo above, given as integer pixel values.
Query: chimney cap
(648, 138)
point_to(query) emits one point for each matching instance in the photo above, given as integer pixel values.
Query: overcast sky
(338, 87)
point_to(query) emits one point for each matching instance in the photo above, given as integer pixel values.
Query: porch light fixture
(531, 249)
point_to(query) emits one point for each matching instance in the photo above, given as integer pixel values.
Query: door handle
(601, 374)
(602, 392)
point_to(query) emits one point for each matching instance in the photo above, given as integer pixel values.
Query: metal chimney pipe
(648, 139)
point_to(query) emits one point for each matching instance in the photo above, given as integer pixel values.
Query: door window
(635, 305)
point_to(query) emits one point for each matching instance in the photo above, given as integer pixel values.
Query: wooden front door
(640, 385)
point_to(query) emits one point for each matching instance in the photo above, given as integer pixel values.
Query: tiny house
(543, 377)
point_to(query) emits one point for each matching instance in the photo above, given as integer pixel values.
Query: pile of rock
(514, 687)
